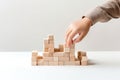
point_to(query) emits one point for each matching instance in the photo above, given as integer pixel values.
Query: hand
(80, 27)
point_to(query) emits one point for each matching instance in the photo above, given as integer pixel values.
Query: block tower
(58, 56)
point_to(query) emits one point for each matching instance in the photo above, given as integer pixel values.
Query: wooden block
(84, 61)
(51, 42)
(51, 50)
(48, 58)
(84, 58)
(61, 47)
(63, 58)
(45, 63)
(60, 63)
(58, 54)
(46, 43)
(55, 58)
(34, 53)
(34, 59)
(79, 53)
(69, 63)
(56, 50)
(40, 62)
(39, 57)
(66, 54)
(83, 53)
(53, 63)
(72, 58)
(33, 63)
(77, 62)
(47, 54)
(45, 50)
(79, 57)
(76, 59)
(51, 37)
(51, 46)
(71, 54)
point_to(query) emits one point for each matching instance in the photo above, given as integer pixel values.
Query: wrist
(87, 21)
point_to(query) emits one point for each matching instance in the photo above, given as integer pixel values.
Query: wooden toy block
(58, 54)
(60, 63)
(47, 54)
(48, 58)
(34, 58)
(56, 50)
(84, 61)
(55, 58)
(34, 53)
(84, 58)
(63, 58)
(61, 47)
(77, 62)
(34, 63)
(83, 53)
(66, 54)
(51, 46)
(72, 58)
(39, 57)
(69, 63)
(51, 37)
(45, 49)
(51, 50)
(45, 43)
(45, 63)
(40, 62)
(72, 54)
(51, 42)
(79, 55)
(76, 59)
(53, 63)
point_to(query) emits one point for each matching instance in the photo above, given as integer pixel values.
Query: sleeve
(105, 12)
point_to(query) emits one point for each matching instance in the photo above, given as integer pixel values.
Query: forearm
(105, 12)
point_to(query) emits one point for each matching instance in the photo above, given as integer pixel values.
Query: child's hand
(80, 27)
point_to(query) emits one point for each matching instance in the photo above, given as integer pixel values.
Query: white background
(24, 24)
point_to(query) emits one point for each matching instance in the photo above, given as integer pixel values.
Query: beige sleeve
(105, 12)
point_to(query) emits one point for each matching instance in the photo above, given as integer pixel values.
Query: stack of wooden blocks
(58, 56)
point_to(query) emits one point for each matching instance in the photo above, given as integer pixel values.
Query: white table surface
(102, 66)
